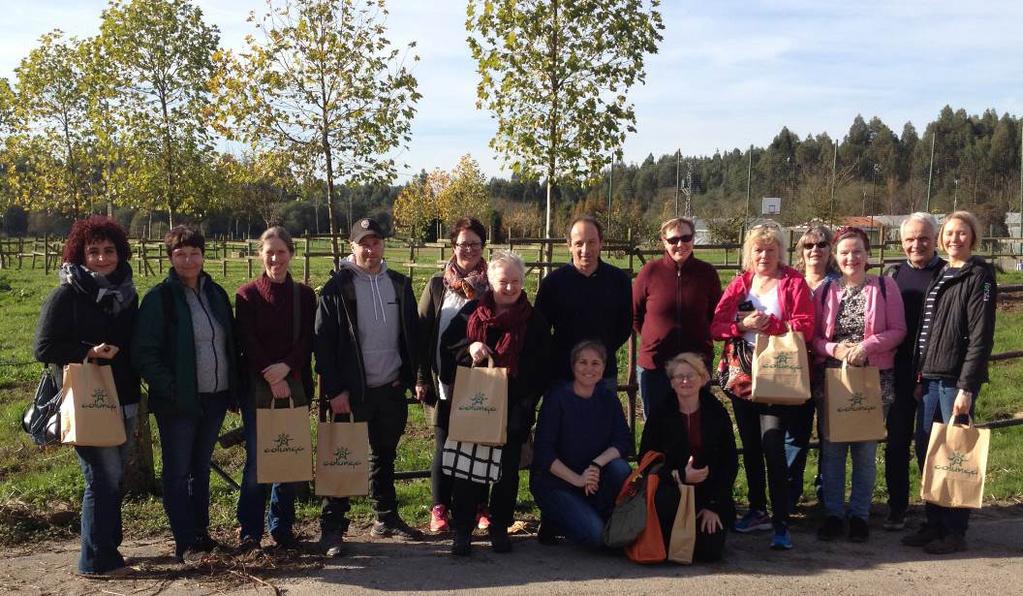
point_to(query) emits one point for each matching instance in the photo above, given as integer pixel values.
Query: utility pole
(678, 174)
(834, 175)
(1021, 179)
(687, 191)
(955, 195)
(749, 188)
(610, 174)
(930, 171)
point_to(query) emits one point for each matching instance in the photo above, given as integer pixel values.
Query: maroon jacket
(672, 309)
(265, 315)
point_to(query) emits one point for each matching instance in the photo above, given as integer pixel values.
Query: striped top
(929, 303)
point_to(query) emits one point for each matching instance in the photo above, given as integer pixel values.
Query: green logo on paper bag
(781, 362)
(99, 401)
(282, 444)
(955, 464)
(477, 403)
(341, 455)
(856, 404)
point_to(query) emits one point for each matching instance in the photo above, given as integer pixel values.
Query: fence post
(46, 253)
(884, 242)
(21, 250)
(305, 259)
(248, 257)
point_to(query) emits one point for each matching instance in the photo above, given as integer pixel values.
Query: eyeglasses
(821, 245)
(687, 238)
(469, 245)
(685, 378)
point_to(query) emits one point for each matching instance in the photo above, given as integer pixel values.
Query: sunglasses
(821, 245)
(687, 238)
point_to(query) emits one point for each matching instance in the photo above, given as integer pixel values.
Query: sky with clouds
(728, 73)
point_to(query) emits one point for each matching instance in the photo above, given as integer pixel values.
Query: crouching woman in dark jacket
(503, 326)
(957, 331)
(90, 315)
(694, 433)
(184, 347)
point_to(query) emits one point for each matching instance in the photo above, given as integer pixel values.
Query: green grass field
(40, 491)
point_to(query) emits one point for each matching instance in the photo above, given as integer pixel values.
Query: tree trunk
(139, 476)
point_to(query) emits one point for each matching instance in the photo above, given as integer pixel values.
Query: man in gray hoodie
(365, 346)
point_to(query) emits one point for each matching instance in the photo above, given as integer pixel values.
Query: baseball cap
(365, 227)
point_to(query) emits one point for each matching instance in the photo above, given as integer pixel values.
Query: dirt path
(993, 565)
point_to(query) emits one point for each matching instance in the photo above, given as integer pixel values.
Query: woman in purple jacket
(862, 323)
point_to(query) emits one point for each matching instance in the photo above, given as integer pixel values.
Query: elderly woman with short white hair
(503, 326)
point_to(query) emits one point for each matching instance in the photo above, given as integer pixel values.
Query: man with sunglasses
(586, 299)
(673, 302)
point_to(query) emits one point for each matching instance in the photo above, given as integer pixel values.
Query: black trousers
(467, 496)
(900, 424)
(774, 424)
(386, 412)
(747, 418)
(440, 484)
(709, 547)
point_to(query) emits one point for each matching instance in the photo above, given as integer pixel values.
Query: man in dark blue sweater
(919, 239)
(586, 299)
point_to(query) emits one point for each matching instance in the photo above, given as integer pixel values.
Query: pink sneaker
(439, 519)
(482, 517)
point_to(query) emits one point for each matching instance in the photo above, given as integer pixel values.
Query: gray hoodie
(379, 323)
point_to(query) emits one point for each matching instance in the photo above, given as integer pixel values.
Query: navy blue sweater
(575, 430)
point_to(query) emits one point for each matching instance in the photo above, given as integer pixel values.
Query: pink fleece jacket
(884, 321)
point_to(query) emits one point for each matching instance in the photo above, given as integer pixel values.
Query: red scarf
(468, 284)
(511, 323)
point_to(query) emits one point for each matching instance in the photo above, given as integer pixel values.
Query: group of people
(927, 324)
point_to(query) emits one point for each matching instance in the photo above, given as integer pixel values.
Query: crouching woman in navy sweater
(581, 439)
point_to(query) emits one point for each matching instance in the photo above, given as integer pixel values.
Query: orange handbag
(649, 546)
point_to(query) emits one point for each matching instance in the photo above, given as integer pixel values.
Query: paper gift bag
(683, 529)
(479, 406)
(853, 409)
(342, 459)
(956, 465)
(90, 413)
(781, 369)
(284, 444)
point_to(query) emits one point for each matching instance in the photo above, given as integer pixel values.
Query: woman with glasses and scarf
(464, 278)
(673, 300)
(91, 315)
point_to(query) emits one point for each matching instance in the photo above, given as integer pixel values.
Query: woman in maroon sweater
(673, 301)
(277, 356)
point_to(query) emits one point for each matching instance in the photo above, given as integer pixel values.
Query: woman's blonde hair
(759, 233)
(967, 218)
(694, 360)
(506, 259)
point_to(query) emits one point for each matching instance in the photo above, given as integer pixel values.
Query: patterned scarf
(511, 323)
(469, 284)
(113, 293)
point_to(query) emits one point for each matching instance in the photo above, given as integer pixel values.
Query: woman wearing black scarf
(91, 315)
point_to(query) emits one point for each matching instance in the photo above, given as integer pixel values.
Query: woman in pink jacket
(862, 322)
(767, 298)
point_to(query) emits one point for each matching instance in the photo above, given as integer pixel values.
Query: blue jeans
(864, 472)
(103, 469)
(186, 448)
(936, 406)
(654, 389)
(252, 500)
(582, 517)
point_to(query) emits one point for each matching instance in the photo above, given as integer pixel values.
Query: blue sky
(728, 73)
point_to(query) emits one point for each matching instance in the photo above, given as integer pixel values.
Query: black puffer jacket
(962, 329)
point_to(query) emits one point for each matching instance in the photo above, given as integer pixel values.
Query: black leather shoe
(331, 543)
(462, 545)
(830, 529)
(921, 537)
(859, 531)
(395, 526)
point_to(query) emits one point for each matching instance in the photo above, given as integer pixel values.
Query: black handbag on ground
(41, 419)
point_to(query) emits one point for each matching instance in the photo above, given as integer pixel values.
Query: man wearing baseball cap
(365, 354)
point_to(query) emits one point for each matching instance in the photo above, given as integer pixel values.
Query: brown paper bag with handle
(479, 406)
(90, 413)
(683, 529)
(781, 369)
(284, 444)
(956, 465)
(342, 458)
(853, 408)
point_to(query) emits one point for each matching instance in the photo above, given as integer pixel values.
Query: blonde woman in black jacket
(957, 329)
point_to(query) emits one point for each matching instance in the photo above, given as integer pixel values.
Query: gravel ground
(992, 565)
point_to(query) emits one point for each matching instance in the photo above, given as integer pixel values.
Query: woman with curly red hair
(91, 315)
